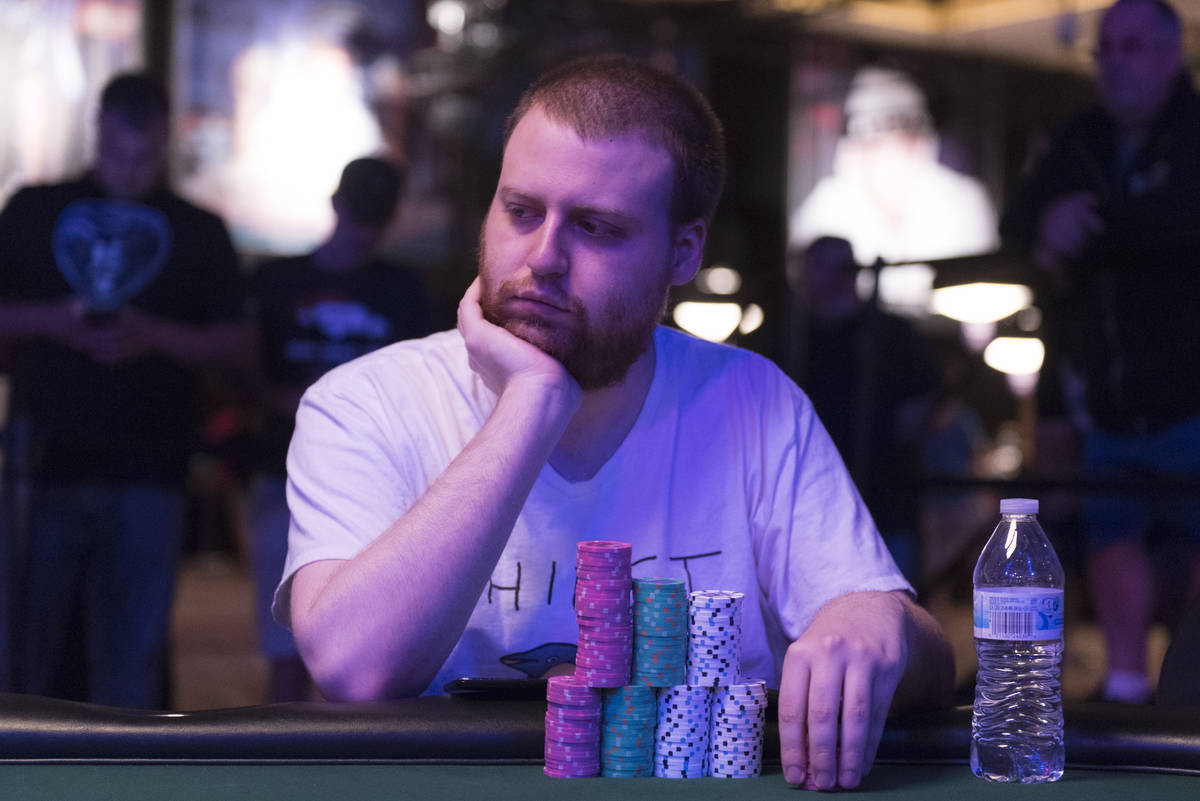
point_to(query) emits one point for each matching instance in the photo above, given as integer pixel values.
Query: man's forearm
(381, 624)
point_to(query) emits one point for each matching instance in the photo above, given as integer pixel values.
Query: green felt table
(526, 783)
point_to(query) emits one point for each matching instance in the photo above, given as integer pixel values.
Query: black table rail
(491, 730)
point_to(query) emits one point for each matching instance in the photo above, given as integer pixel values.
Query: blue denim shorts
(1172, 452)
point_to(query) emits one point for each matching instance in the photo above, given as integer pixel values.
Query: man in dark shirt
(1110, 217)
(113, 291)
(872, 380)
(315, 312)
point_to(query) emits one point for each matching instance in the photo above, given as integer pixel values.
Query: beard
(596, 349)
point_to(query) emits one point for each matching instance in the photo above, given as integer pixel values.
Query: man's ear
(688, 251)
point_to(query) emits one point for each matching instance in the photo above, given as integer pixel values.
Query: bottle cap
(1018, 506)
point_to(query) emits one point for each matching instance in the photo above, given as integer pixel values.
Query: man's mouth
(539, 303)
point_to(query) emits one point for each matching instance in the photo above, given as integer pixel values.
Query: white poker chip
(714, 653)
(738, 725)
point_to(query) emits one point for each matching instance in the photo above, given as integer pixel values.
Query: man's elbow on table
(348, 685)
(346, 662)
(348, 674)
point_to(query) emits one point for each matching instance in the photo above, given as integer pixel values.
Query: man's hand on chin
(501, 359)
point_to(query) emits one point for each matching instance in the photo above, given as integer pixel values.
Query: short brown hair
(611, 95)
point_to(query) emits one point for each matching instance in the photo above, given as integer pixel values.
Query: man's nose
(549, 253)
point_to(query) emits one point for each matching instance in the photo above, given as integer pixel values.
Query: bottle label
(1018, 613)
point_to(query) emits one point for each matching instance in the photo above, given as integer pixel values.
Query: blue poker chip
(627, 734)
(660, 623)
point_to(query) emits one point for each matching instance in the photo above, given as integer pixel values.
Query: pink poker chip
(616, 612)
(608, 679)
(572, 714)
(570, 690)
(578, 694)
(566, 767)
(572, 752)
(574, 704)
(611, 650)
(603, 666)
(566, 735)
(603, 546)
(594, 589)
(614, 572)
(595, 604)
(557, 772)
(619, 636)
(615, 587)
(574, 724)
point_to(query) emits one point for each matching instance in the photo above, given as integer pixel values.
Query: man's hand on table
(838, 680)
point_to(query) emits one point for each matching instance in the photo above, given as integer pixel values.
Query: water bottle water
(1017, 726)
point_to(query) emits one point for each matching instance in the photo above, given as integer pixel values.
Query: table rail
(491, 730)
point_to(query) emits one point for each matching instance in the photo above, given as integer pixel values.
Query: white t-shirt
(726, 480)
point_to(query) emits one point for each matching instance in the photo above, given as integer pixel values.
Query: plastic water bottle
(1017, 725)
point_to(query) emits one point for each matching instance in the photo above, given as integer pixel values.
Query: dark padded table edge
(486, 730)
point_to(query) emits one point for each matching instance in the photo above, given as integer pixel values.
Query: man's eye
(520, 212)
(598, 229)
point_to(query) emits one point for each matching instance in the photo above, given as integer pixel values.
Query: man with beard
(438, 488)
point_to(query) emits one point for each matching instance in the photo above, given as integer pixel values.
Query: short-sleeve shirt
(726, 480)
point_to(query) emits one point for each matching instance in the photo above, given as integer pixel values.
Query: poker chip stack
(739, 719)
(627, 733)
(660, 627)
(669, 664)
(603, 610)
(573, 717)
(681, 741)
(714, 651)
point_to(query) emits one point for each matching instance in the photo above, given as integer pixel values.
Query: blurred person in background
(315, 312)
(113, 293)
(1109, 216)
(889, 196)
(872, 381)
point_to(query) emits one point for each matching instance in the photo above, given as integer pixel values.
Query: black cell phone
(474, 687)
